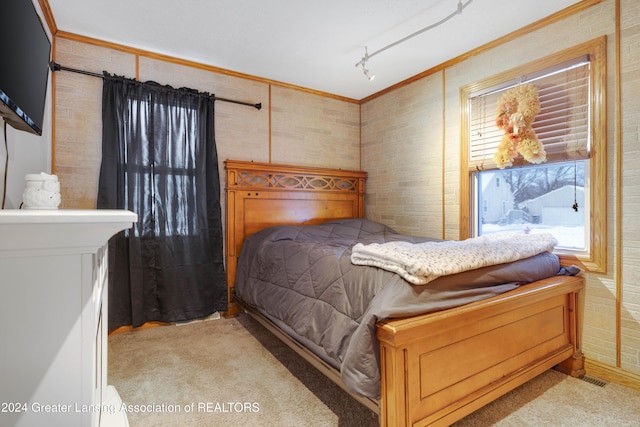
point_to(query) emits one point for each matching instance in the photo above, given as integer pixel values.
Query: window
(555, 195)
(164, 177)
(538, 198)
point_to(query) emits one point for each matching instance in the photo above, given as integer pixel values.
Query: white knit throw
(420, 263)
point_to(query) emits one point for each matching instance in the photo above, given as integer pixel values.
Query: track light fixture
(363, 62)
(366, 72)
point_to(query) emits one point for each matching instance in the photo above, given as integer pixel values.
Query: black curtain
(159, 160)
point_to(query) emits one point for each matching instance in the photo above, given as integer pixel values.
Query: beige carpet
(232, 372)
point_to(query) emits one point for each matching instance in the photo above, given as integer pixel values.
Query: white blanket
(420, 263)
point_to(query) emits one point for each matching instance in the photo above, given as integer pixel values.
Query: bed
(432, 368)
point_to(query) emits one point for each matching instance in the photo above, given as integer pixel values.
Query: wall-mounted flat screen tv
(25, 52)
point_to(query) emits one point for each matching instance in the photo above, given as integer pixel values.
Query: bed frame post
(574, 366)
(393, 404)
(230, 239)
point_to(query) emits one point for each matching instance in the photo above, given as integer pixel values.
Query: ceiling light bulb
(369, 76)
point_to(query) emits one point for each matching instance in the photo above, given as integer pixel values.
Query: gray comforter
(302, 278)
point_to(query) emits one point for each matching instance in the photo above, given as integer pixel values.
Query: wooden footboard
(439, 367)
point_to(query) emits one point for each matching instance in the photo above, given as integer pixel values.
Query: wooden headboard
(260, 195)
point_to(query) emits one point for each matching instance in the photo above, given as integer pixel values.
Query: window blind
(562, 124)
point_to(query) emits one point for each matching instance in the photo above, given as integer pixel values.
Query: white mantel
(53, 316)
(60, 228)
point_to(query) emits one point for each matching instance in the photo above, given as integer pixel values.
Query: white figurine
(42, 191)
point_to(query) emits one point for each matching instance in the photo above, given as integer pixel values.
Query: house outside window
(538, 198)
(555, 195)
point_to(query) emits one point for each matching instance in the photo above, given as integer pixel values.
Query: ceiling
(312, 44)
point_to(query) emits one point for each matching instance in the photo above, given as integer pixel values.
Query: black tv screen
(25, 51)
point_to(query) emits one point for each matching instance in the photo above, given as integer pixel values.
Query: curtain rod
(54, 66)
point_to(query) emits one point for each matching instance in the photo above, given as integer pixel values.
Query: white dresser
(53, 317)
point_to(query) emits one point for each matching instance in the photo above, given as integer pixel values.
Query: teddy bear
(517, 108)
